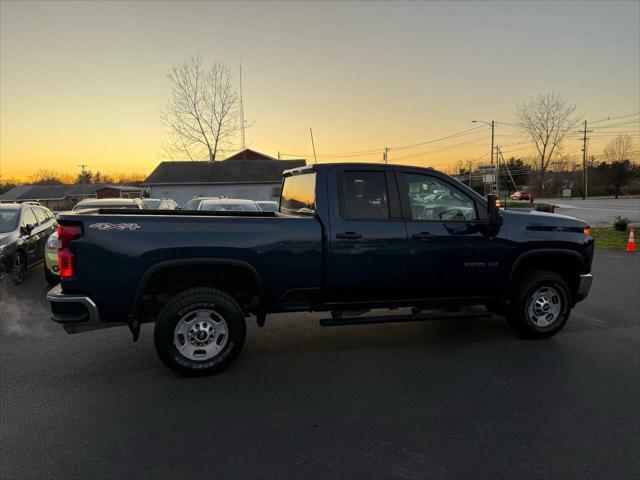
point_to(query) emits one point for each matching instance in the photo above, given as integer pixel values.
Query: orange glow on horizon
(84, 82)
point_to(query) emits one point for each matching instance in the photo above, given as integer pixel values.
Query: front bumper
(72, 309)
(584, 285)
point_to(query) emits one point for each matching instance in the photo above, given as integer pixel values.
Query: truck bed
(119, 247)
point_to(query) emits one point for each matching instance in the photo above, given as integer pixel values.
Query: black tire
(51, 278)
(183, 305)
(553, 288)
(18, 268)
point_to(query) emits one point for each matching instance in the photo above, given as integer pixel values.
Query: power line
(381, 150)
(608, 119)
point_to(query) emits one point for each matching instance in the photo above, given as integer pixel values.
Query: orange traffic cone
(631, 245)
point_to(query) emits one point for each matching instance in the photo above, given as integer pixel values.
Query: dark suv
(24, 230)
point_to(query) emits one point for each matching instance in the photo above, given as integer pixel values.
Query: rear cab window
(299, 194)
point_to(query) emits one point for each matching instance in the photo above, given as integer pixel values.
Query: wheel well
(566, 265)
(239, 282)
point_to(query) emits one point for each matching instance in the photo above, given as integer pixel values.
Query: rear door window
(40, 215)
(364, 196)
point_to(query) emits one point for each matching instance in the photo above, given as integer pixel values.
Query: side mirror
(493, 211)
(27, 229)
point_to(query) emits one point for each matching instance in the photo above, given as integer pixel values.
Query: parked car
(24, 229)
(51, 273)
(160, 203)
(521, 196)
(229, 205)
(195, 202)
(109, 203)
(348, 237)
(51, 267)
(268, 205)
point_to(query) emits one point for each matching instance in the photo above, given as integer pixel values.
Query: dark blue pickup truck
(348, 238)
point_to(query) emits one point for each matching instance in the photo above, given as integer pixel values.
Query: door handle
(423, 236)
(348, 236)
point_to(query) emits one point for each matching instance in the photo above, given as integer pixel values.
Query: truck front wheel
(539, 305)
(199, 332)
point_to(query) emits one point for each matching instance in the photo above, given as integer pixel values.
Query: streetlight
(492, 125)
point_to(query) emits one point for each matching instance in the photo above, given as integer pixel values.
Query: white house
(247, 174)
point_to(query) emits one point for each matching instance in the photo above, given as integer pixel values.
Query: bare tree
(618, 149)
(46, 177)
(546, 120)
(619, 170)
(201, 117)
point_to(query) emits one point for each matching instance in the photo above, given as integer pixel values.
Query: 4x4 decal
(115, 226)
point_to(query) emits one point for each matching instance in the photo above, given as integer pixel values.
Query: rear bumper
(72, 309)
(584, 285)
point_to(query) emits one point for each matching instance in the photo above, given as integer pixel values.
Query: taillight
(65, 262)
(66, 233)
(66, 258)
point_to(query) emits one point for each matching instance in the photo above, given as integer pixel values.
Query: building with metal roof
(247, 174)
(64, 197)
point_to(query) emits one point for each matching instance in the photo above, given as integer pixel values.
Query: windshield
(152, 203)
(267, 206)
(229, 207)
(91, 207)
(192, 204)
(8, 220)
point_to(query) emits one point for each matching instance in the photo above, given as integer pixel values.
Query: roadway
(599, 211)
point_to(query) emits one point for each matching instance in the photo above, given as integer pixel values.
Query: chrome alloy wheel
(544, 306)
(201, 334)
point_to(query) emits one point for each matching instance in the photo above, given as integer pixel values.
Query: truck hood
(542, 219)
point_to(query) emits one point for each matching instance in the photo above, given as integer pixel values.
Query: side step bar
(416, 316)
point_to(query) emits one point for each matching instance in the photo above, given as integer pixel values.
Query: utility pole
(506, 166)
(584, 162)
(493, 128)
(385, 155)
(497, 171)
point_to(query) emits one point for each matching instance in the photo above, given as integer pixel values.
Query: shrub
(620, 223)
(546, 207)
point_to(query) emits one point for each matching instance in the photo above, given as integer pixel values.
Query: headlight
(53, 243)
(2, 247)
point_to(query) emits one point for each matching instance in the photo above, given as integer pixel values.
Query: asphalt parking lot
(440, 399)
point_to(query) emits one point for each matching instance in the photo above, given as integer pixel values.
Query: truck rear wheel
(540, 304)
(199, 332)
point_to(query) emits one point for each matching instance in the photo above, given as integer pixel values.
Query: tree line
(613, 173)
(51, 177)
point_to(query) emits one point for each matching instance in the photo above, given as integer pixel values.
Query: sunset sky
(85, 82)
